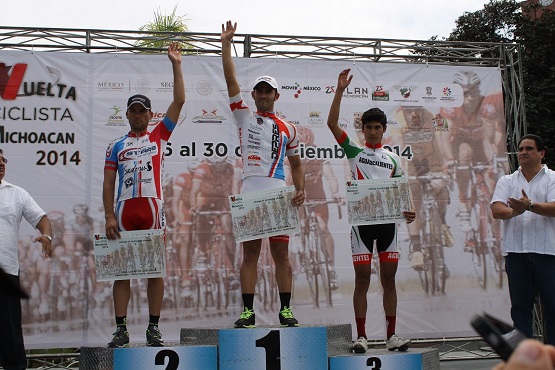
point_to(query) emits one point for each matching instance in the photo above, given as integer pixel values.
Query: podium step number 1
(273, 349)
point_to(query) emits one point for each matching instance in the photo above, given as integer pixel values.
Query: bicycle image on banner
(377, 201)
(137, 254)
(262, 214)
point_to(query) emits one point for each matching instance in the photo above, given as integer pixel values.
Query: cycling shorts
(140, 214)
(362, 243)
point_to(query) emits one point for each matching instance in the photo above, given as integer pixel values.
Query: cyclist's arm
(108, 193)
(343, 82)
(174, 54)
(297, 173)
(228, 30)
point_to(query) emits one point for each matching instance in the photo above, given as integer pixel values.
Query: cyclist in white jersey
(371, 162)
(265, 141)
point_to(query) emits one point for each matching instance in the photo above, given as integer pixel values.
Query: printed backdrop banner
(59, 112)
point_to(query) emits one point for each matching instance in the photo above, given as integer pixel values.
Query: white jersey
(265, 140)
(370, 163)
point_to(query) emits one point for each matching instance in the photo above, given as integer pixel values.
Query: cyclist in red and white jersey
(265, 141)
(137, 159)
(371, 161)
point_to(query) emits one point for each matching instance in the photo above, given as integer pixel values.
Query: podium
(263, 348)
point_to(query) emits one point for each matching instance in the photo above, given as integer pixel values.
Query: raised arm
(174, 110)
(333, 117)
(228, 30)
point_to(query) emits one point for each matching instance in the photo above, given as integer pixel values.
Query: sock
(361, 326)
(248, 301)
(121, 322)
(285, 299)
(153, 320)
(390, 323)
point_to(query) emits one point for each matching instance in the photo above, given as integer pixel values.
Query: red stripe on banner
(14, 82)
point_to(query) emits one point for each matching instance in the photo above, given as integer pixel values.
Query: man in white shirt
(525, 201)
(15, 203)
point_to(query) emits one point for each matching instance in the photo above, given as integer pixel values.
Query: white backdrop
(70, 106)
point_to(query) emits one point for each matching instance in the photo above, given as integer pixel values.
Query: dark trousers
(12, 349)
(529, 273)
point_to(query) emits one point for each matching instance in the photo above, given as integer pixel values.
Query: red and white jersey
(139, 160)
(265, 140)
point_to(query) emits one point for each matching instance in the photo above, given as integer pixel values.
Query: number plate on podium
(391, 361)
(166, 358)
(273, 349)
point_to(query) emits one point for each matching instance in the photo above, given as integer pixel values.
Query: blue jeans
(527, 274)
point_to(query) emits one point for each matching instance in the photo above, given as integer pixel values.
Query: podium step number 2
(166, 358)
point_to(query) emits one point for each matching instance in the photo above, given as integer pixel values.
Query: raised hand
(174, 52)
(228, 30)
(344, 79)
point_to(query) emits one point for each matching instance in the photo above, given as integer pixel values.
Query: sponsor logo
(116, 118)
(204, 87)
(375, 163)
(356, 92)
(253, 157)
(110, 86)
(138, 153)
(330, 89)
(428, 90)
(275, 141)
(165, 86)
(11, 83)
(142, 86)
(132, 182)
(393, 255)
(446, 91)
(142, 168)
(254, 130)
(359, 258)
(259, 120)
(209, 117)
(405, 91)
(257, 147)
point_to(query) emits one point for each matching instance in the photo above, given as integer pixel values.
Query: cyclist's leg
(279, 247)
(248, 270)
(388, 252)
(362, 244)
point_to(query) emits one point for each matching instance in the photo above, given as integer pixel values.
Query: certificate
(262, 214)
(377, 201)
(137, 254)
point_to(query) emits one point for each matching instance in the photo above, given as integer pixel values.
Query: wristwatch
(531, 206)
(47, 237)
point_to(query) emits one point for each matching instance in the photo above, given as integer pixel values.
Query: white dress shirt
(15, 203)
(528, 232)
